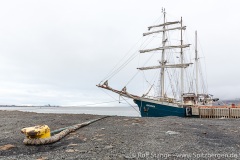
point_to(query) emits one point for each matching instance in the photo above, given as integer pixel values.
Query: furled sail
(166, 66)
(165, 47)
(148, 33)
(164, 24)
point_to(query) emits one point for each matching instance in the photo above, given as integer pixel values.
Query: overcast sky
(56, 51)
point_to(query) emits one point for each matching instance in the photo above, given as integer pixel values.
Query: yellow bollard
(39, 131)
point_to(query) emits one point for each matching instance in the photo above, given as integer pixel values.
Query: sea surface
(118, 111)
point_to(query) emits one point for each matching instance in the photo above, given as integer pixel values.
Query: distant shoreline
(99, 110)
(25, 106)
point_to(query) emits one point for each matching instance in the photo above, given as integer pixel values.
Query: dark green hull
(149, 109)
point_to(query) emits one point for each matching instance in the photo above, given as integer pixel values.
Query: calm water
(119, 111)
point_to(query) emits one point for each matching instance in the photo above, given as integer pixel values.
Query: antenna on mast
(163, 10)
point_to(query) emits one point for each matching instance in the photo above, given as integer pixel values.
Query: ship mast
(165, 27)
(182, 69)
(163, 56)
(164, 47)
(196, 62)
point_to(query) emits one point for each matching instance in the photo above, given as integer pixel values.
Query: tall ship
(171, 71)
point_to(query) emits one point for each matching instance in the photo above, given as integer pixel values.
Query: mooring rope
(62, 133)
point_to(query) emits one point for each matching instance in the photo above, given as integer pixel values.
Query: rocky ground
(122, 137)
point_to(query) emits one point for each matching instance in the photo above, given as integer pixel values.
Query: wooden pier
(219, 112)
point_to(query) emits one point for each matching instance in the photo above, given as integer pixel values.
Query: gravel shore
(123, 137)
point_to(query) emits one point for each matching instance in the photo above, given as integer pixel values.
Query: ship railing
(160, 99)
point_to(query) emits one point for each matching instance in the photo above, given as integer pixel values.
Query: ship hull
(151, 109)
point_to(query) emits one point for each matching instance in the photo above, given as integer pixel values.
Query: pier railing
(219, 112)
